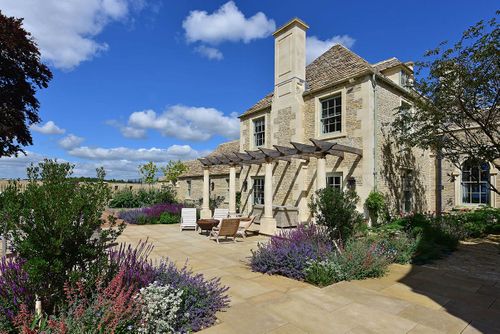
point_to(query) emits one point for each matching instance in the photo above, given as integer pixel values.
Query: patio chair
(245, 223)
(188, 218)
(227, 228)
(220, 214)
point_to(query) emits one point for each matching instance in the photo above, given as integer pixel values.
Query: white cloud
(66, 30)
(226, 24)
(70, 141)
(49, 128)
(174, 152)
(209, 52)
(316, 47)
(187, 123)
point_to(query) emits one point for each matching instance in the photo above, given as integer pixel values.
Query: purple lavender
(288, 252)
(14, 287)
(136, 216)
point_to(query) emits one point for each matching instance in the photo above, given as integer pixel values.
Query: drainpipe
(375, 119)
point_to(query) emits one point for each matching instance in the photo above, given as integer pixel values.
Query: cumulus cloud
(185, 122)
(174, 152)
(316, 47)
(226, 24)
(209, 52)
(66, 30)
(49, 128)
(70, 141)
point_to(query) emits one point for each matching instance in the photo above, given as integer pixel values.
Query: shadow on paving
(466, 284)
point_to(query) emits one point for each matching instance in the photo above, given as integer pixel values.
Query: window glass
(259, 132)
(334, 181)
(475, 187)
(258, 190)
(407, 185)
(331, 115)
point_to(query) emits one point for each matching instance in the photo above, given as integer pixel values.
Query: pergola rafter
(319, 149)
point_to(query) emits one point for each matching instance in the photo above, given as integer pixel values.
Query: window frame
(407, 189)
(335, 175)
(479, 183)
(260, 193)
(255, 133)
(319, 110)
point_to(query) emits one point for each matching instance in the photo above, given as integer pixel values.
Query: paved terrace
(458, 295)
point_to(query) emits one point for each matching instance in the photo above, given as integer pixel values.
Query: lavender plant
(201, 298)
(288, 252)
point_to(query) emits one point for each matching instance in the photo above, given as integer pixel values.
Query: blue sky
(138, 80)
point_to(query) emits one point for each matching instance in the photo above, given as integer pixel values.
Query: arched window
(475, 187)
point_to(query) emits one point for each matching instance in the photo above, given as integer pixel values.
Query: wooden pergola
(318, 149)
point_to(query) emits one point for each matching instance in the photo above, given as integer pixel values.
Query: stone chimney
(287, 111)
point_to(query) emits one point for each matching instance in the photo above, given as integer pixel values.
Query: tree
(148, 172)
(456, 93)
(173, 170)
(21, 74)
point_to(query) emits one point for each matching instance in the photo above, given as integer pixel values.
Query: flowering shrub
(160, 308)
(288, 252)
(153, 214)
(14, 290)
(201, 298)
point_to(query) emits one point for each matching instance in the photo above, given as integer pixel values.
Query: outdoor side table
(207, 224)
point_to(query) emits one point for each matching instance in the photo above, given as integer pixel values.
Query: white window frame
(461, 185)
(253, 137)
(319, 109)
(254, 197)
(336, 174)
(405, 188)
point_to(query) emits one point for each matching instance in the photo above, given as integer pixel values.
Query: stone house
(324, 124)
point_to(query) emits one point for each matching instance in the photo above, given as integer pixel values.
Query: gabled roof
(385, 64)
(195, 167)
(336, 64)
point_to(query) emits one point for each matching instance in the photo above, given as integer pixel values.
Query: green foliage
(396, 245)
(173, 170)
(376, 206)
(215, 202)
(169, 218)
(57, 223)
(148, 172)
(458, 87)
(359, 259)
(142, 197)
(21, 74)
(476, 223)
(336, 210)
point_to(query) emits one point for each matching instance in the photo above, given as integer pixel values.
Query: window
(331, 115)
(259, 132)
(405, 110)
(475, 187)
(334, 181)
(407, 185)
(188, 193)
(258, 190)
(405, 79)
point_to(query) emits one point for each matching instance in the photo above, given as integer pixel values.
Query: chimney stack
(289, 78)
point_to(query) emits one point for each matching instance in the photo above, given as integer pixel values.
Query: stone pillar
(302, 184)
(321, 173)
(267, 221)
(232, 191)
(205, 208)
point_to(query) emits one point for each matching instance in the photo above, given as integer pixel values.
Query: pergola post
(267, 221)
(321, 173)
(205, 208)
(232, 190)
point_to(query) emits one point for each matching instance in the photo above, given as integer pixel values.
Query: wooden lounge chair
(245, 223)
(188, 218)
(227, 228)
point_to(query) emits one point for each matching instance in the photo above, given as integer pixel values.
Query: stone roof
(195, 167)
(385, 64)
(336, 64)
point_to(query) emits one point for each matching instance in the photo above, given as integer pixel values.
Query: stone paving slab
(437, 298)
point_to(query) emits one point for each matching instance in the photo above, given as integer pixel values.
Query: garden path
(444, 297)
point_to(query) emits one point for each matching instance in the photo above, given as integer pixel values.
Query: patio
(445, 297)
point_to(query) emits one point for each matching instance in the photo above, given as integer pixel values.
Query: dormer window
(331, 114)
(259, 132)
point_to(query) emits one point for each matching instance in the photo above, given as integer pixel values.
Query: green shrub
(376, 206)
(476, 223)
(124, 199)
(336, 210)
(169, 218)
(57, 227)
(359, 259)
(142, 197)
(396, 245)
